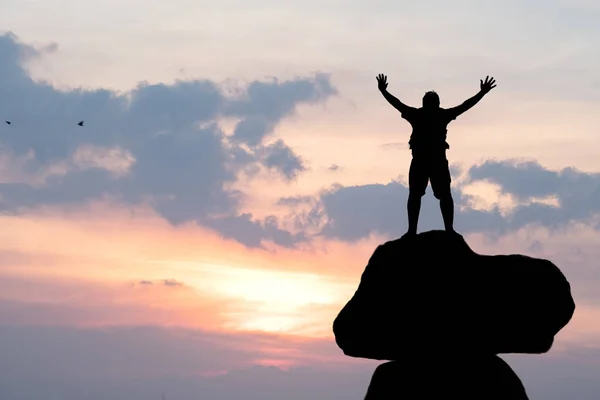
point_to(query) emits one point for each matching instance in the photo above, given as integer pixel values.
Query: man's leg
(440, 183)
(414, 208)
(418, 178)
(447, 208)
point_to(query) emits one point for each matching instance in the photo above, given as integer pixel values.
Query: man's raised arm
(485, 87)
(397, 104)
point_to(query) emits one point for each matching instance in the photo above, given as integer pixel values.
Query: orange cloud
(108, 266)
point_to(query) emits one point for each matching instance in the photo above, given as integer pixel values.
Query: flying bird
(80, 123)
(8, 122)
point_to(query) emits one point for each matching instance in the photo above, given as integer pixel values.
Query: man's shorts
(426, 168)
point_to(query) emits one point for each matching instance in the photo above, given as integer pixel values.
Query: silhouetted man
(428, 145)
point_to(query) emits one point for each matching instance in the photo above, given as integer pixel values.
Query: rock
(445, 377)
(431, 293)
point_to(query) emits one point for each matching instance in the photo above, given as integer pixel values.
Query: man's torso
(429, 129)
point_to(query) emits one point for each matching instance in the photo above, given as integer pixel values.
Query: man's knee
(414, 193)
(443, 194)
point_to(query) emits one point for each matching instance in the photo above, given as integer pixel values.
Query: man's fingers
(490, 83)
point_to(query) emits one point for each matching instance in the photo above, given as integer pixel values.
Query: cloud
(145, 362)
(252, 130)
(577, 193)
(279, 156)
(128, 351)
(163, 145)
(294, 200)
(158, 144)
(352, 213)
(36, 301)
(250, 232)
(274, 100)
(172, 283)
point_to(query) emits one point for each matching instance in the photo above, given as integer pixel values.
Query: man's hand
(382, 82)
(488, 85)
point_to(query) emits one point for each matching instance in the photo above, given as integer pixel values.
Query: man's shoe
(409, 234)
(453, 232)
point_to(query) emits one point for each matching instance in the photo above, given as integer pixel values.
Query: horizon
(238, 166)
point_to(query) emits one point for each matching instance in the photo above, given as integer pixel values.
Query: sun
(273, 301)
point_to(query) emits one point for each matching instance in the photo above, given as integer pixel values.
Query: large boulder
(446, 377)
(432, 293)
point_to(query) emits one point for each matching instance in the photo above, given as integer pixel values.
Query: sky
(238, 166)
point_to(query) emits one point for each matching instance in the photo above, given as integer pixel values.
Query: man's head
(431, 100)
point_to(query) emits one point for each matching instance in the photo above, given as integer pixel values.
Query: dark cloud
(274, 100)
(281, 157)
(251, 130)
(355, 212)
(263, 105)
(173, 154)
(171, 283)
(162, 145)
(249, 232)
(528, 179)
(577, 192)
